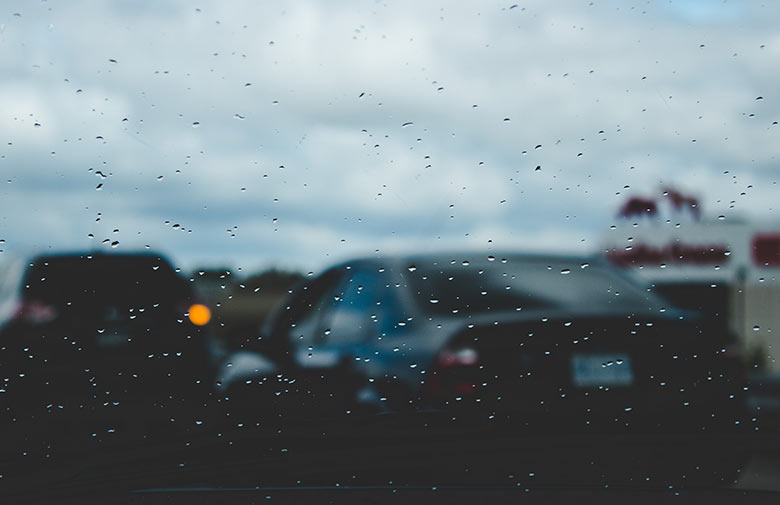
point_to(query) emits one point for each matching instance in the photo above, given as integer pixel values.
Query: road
(369, 459)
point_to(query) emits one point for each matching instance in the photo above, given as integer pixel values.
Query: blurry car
(518, 338)
(104, 339)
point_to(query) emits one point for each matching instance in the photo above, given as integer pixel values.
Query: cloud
(298, 133)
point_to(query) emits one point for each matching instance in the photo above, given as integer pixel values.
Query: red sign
(766, 249)
(670, 254)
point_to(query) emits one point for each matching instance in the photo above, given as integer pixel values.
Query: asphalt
(384, 459)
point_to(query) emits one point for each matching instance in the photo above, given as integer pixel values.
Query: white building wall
(754, 301)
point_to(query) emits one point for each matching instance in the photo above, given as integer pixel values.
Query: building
(728, 268)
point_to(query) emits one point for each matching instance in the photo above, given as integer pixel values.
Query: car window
(484, 286)
(365, 306)
(83, 282)
(352, 310)
(300, 320)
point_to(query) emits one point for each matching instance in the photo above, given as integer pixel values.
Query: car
(100, 341)
(528, 339)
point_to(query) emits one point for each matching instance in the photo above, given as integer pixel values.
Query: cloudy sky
(252, 134)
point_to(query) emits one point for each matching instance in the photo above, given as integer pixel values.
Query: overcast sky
(252, 134)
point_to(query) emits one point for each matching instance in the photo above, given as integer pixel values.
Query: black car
(525, 339)
(100, 344)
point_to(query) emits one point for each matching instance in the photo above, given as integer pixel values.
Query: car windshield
(478, 287)
(389, 250)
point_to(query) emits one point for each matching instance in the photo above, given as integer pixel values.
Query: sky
(298, 134)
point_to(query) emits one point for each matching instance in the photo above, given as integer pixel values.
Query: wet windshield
(389, 250)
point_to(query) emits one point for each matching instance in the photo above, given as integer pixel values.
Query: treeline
(241, 304)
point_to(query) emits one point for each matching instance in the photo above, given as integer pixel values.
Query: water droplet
(413, 365)
(465, 263)
(491, 258)
(585, 265)
(411, 268)
(112, 61)
(407, 124)
(756, 328)
(434, 300)
(565, 271)
(759, 98)
(239, 116)
(195, 124)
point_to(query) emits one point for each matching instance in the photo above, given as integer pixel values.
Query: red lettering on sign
(766, 249)
(670, 254)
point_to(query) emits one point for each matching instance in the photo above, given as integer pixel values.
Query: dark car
(99, 343)
(526, 339)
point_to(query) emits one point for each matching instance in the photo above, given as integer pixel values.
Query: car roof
(390, 261)
(99, 256)
(61, 276)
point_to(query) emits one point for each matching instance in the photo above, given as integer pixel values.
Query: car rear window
(101, 279)
(477, 287)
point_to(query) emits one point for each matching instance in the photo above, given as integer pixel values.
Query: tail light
(35, 312)
(456, 371)
(465, 356)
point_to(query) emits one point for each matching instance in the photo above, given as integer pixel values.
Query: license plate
(593, 370)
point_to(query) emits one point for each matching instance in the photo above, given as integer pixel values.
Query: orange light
(199, 314)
